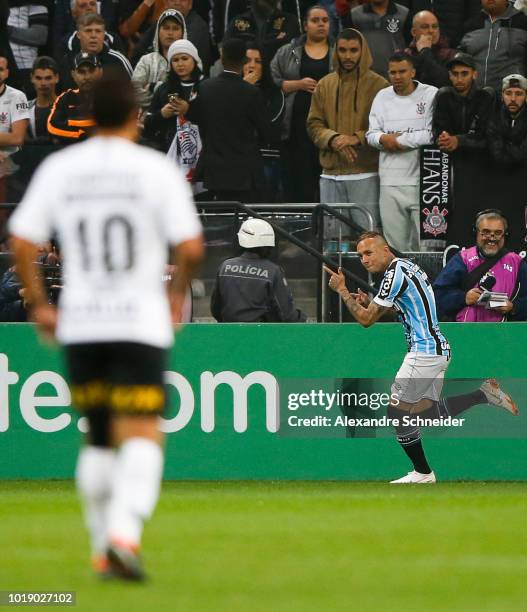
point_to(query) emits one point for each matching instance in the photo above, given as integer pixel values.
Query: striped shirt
(405, 286)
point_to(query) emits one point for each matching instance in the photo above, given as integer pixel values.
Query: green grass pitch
(285, 546)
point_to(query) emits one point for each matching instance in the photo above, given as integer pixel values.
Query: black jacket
(108, 57)
(158, 129)
(279, 29)
(250, 289)
(507, 138)
(233, 121)
(451, 14)
(463, 116)
(70, 118)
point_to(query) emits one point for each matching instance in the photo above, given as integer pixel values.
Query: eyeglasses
(488, 233)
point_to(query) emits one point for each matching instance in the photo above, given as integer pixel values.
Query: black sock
(459, 403)
(452, 406)
(416, 454)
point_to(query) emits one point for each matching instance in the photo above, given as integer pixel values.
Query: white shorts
(420, 376)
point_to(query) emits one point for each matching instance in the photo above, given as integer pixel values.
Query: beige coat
(341, 104)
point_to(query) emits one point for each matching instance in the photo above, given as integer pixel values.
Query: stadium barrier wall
(213, 365)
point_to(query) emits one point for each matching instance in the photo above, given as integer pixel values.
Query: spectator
(137, 16)
(45, 78)
(497, 39)
(452, 14)
(14, 115)
(197, 32)
(91, 33)
(507, 129)
(264, 24)
(297, 68)
(460, 118)
(5, 49)
(251, 288)
(66, 13)
(69, 41)
(507, 142)
(430, 50)
(232, 121)
(257, 73)
(70, 119)
(27, 30)
(338, 127)
(400, 122)
(166, 123)
(224, 11)
(152, 69)
(12, 308)
(460, 285)
(383, 23)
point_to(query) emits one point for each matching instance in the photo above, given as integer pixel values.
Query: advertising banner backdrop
(277, 401)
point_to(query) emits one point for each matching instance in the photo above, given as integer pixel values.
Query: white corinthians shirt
(412, 116)
(13, 107)
(115, 207)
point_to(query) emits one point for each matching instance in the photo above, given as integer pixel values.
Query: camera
(173, 97)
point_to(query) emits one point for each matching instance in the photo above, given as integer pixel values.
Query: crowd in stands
(331, 103)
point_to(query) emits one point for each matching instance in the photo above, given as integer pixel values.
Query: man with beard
(459, 288)
(461, 114)
(70, 119)
(349, 165)
(507, 143)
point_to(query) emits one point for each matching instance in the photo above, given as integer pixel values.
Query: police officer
(251, 288)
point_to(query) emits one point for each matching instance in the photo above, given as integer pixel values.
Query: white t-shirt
(13, 107)
(412, 116)
(115, 207)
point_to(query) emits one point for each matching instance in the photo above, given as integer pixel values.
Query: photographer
(488, 265)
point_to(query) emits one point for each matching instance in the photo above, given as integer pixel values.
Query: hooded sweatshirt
(499, 47)
(152, 68)
(341, 105)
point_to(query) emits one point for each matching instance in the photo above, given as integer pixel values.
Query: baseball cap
(462, 58)
(86, 58)
(514, 80)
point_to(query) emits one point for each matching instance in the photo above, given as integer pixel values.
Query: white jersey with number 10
(115, 207)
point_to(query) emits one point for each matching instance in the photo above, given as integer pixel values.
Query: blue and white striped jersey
(406, 287)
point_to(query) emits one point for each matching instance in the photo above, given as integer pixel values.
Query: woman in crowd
(256, 72)
(296, 68)
(165, 122)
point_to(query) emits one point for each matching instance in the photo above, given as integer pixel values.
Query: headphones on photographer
(494, 211)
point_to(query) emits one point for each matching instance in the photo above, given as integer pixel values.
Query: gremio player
(419, 381)
(116, 208)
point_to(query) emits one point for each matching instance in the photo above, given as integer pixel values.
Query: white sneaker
(414, 477)
(497, 397)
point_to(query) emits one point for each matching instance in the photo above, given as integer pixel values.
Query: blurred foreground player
(116, 208)
(419, 381)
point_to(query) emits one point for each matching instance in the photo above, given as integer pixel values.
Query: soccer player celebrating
(116, 209)
(406, 289)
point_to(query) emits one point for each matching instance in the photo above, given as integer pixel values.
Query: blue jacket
(450, 294)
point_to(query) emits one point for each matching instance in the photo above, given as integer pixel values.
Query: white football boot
(497, 397)
(414, 477)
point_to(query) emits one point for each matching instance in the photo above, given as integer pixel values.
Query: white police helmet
(255, 233)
